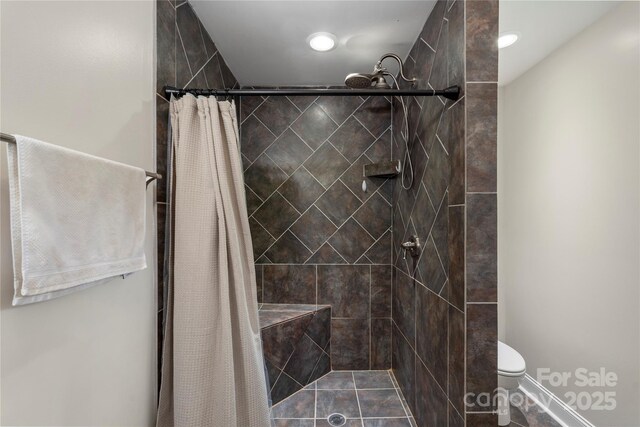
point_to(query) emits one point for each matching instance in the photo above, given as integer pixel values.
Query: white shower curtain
(212, 369)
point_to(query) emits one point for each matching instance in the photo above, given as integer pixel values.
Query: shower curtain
(212, 369)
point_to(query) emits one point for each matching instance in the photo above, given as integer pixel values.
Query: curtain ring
(226, 92)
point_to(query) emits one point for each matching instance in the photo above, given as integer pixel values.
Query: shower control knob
(412, 246)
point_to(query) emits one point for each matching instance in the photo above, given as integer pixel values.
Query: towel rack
(11, 139)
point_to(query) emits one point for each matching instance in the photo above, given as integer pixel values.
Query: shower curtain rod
(12, 140)
(452, 92)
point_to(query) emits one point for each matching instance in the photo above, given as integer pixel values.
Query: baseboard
(555, 407)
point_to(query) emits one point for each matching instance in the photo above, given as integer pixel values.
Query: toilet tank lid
(509, 360)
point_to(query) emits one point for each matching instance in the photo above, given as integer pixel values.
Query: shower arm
(379, 67)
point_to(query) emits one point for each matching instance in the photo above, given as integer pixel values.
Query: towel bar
(11, 139)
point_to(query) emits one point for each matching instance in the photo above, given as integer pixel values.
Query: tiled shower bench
(295, 340)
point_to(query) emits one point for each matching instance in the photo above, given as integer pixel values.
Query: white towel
(76, 220)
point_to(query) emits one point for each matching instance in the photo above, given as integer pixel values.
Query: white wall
(80, 75)
(569, 210)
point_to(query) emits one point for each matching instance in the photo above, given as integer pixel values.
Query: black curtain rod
(452, 92)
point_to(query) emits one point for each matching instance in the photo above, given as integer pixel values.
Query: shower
(377, 81)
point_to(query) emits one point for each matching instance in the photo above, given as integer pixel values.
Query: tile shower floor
(364, 398)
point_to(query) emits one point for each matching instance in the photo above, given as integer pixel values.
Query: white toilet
(511, 368)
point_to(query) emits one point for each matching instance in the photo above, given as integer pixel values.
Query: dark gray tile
(322, 368)
(339, 108)
(165, 45)
(263, 177)
(280, 340)
(313, 228)
(455, 44)
(284, 387)
(373, 379)
(380, 252)
(289, 152)
(387, 422)
(381, 343)
(404, 367)
(381, 291)
(253, 201)
(342, 402)
(162, 121)
(326, 165)
(228, 78)
(346, 289)
(209, 45)
(432, 333)
(301, 189)
(456, 358)
(482, 348)
(436, 177)
(260, 238)
(273, 372)
(276, 215)
(189, 28)
(183, 72)
(277, 113)
(423, 214)
(290, 284)
(455, 121)
(431, 402)
(293, 423)
(212, 73)
(481, 41)
(258, 269)
(351, 422)
(431, 31)
(482, 420)
(439, 72)
(375, 215)
(320, 327)
(430, 267)
(481, 248)
(455, 419)
(300, 405)
(336, 380)
(352, 139)
(314, 126)
(456, 256)
(351, 241)
(375, 115)
(350, 344)
(404, 304)
(326, 255)
(424, 62)
(338, 203)
(380, 403)
(255, 138)
(248, 104)
(303, 360)
(482, 128)
(380, 151)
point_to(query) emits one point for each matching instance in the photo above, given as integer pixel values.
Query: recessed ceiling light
(322, 42)
(507, 40)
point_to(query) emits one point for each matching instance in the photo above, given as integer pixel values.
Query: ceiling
(265, 42)
(543, 27)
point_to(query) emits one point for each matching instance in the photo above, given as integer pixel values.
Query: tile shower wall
(318, 237)
(449, 292)
(186, 57)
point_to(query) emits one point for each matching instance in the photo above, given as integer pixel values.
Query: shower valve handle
(412, 246)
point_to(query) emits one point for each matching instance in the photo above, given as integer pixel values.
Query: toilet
(511, 368)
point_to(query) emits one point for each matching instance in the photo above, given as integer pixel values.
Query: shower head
(364, 81)
(375, 79)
